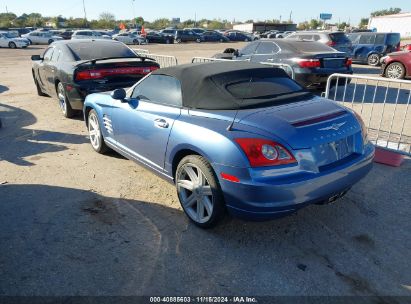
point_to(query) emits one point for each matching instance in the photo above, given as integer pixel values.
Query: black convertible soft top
(204, 85)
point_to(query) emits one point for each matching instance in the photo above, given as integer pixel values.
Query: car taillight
(264, 152)
(331, 43)
(101, 73)
(348, 63)
(308, 63)
(363, 128)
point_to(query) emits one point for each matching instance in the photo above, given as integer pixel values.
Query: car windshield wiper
(93, 61)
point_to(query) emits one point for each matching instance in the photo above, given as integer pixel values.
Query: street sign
(324, 16)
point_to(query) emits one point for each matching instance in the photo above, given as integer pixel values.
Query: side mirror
(36, 57)
(119, 94)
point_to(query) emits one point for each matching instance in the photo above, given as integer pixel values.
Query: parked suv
(370, 47)
(336, 40)
(186, 35)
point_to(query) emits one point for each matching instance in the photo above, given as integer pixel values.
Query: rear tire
(64, 102)
(12, 45)
(38, 88)
(94, 130)
(373, 60)
(395, 70)
(199, 191)
(178, 40)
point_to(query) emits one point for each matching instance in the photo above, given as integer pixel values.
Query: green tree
(139, 21)
(302, 26)
(384, 12)
(6, 19)
(314, 24)
(342, 26)
(107, 20)
(160, 23)
(363, 23)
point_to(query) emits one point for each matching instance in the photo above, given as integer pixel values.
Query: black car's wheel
(221, 40)
(395, 70)
(168, 41)
(94, 131)
(199, 192)
(39, 91)
(30, 42)
(198, 40)
(12, 45)
(178, 40)
(50, 41)
(64, 103)
(373, 60)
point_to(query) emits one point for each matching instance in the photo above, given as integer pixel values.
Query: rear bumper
(316, 80)
(77, 93)
(256, 200)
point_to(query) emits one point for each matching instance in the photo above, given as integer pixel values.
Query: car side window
(161, 89)
(56, 55)
(380, 39)
(48, 54)
(367, 39)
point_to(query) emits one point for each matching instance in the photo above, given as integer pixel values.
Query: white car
(12, 41)
(41, 37)
(89, 35)
(130, 38)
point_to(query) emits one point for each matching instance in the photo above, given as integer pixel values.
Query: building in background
(398, 23)
(264, 27)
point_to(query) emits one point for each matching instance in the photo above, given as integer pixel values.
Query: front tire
(94, 131)
(199, 191)
(12, 45)
(178, 40)
(395, 70)
(50, 41)
(373, 60)
(64, 103)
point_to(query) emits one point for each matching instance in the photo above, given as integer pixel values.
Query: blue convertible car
(241, 137)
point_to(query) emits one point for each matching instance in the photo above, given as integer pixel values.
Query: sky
(240, 10)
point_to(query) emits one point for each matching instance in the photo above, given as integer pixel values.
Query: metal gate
(384, 105)
(286, 67)
(164, 61)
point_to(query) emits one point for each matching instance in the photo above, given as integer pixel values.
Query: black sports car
(72, 69)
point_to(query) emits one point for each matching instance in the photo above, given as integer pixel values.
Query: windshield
(99, 49)
(10, 35)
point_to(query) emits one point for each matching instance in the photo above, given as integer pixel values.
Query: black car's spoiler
(93, 61)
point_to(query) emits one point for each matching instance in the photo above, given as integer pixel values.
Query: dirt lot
(73, 222)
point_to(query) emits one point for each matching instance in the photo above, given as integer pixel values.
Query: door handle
(161, 123)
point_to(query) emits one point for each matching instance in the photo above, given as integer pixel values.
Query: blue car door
(142, 125)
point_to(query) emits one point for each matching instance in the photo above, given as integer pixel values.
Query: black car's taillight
(93, 74)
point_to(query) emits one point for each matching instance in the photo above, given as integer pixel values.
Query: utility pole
(280, 18)
(195, 19)
(7, 11)
(291, 13)
(134, 14)
(85, 15)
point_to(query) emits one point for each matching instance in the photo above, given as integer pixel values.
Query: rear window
(99, 49)
(311, 47)
(262, 88)
(339, 38)
(393, 39)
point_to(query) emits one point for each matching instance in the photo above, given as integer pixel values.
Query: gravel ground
(73, 222)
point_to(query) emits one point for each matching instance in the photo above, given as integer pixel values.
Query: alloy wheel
(62, 98)
(373, 59)
(94, 131)
(12, 45)
(394, 71)
(195, 193)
